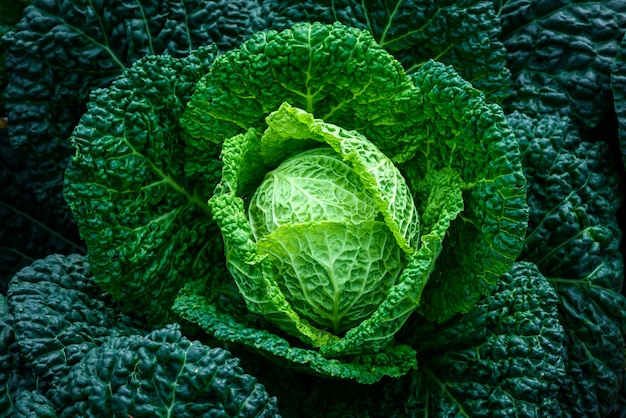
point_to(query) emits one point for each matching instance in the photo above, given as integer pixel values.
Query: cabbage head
(301, 195)
(353, 195)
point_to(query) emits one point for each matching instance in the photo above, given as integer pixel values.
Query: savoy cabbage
(478, 139)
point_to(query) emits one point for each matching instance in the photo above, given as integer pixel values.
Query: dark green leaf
(574, 238)
(618, 85)
(161, 374)
(59, 315)
(212, 316)
(128, 174)
(560, 54)
(61, 50)
(503, 358)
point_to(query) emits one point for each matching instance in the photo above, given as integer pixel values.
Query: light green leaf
(379, 176)
(405, 296)
(334, 273)
(315, 185)
(367, 369)
(250, 269)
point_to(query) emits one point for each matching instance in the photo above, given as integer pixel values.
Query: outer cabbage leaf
(574, 239)
(463, 34)
(31, 403)
(560, 54)
(61, 50)
(10, 14)
(7, 366)
(160, 374)
(18, 383)
(68, 350)
(213, 314)
(463, 133)
(337, 73)
(503, 358)
(145, 224)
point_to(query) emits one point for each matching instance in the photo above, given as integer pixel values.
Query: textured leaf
(32, 404)
(61, 50)
(503, 358)
(377, 175)
(145, 224)
(560, 54)
(59, 315)
(463, 133)
(337, 73)
(433, 122)
(7, 338)
(363, 259)
(271, 288)
(10, 14)
(194, 307)
(574, 239)
(462, 33)
(161, 374)
(16, 376)
(313, 185)
(406, 295)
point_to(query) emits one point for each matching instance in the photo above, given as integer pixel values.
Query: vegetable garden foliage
(500, 270)
(68, 350)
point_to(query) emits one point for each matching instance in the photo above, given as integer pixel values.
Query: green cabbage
(440, 211)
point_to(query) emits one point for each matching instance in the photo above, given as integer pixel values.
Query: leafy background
(564, 90)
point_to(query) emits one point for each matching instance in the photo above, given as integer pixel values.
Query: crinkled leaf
(560, 54)
(462, 132)
(502, 358)
(7, 339)
(61, 50)
(337, 73)
(31, 403)
(16, 375)
(315, 185)
(160, 374)
(60, 314)
(430, 121)
(146, 225)
(441, 193)
(574, 238)
(194, 307)
(462, 33)
(363, 257)
(274, 287)
(380, 179)
(258, 278)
